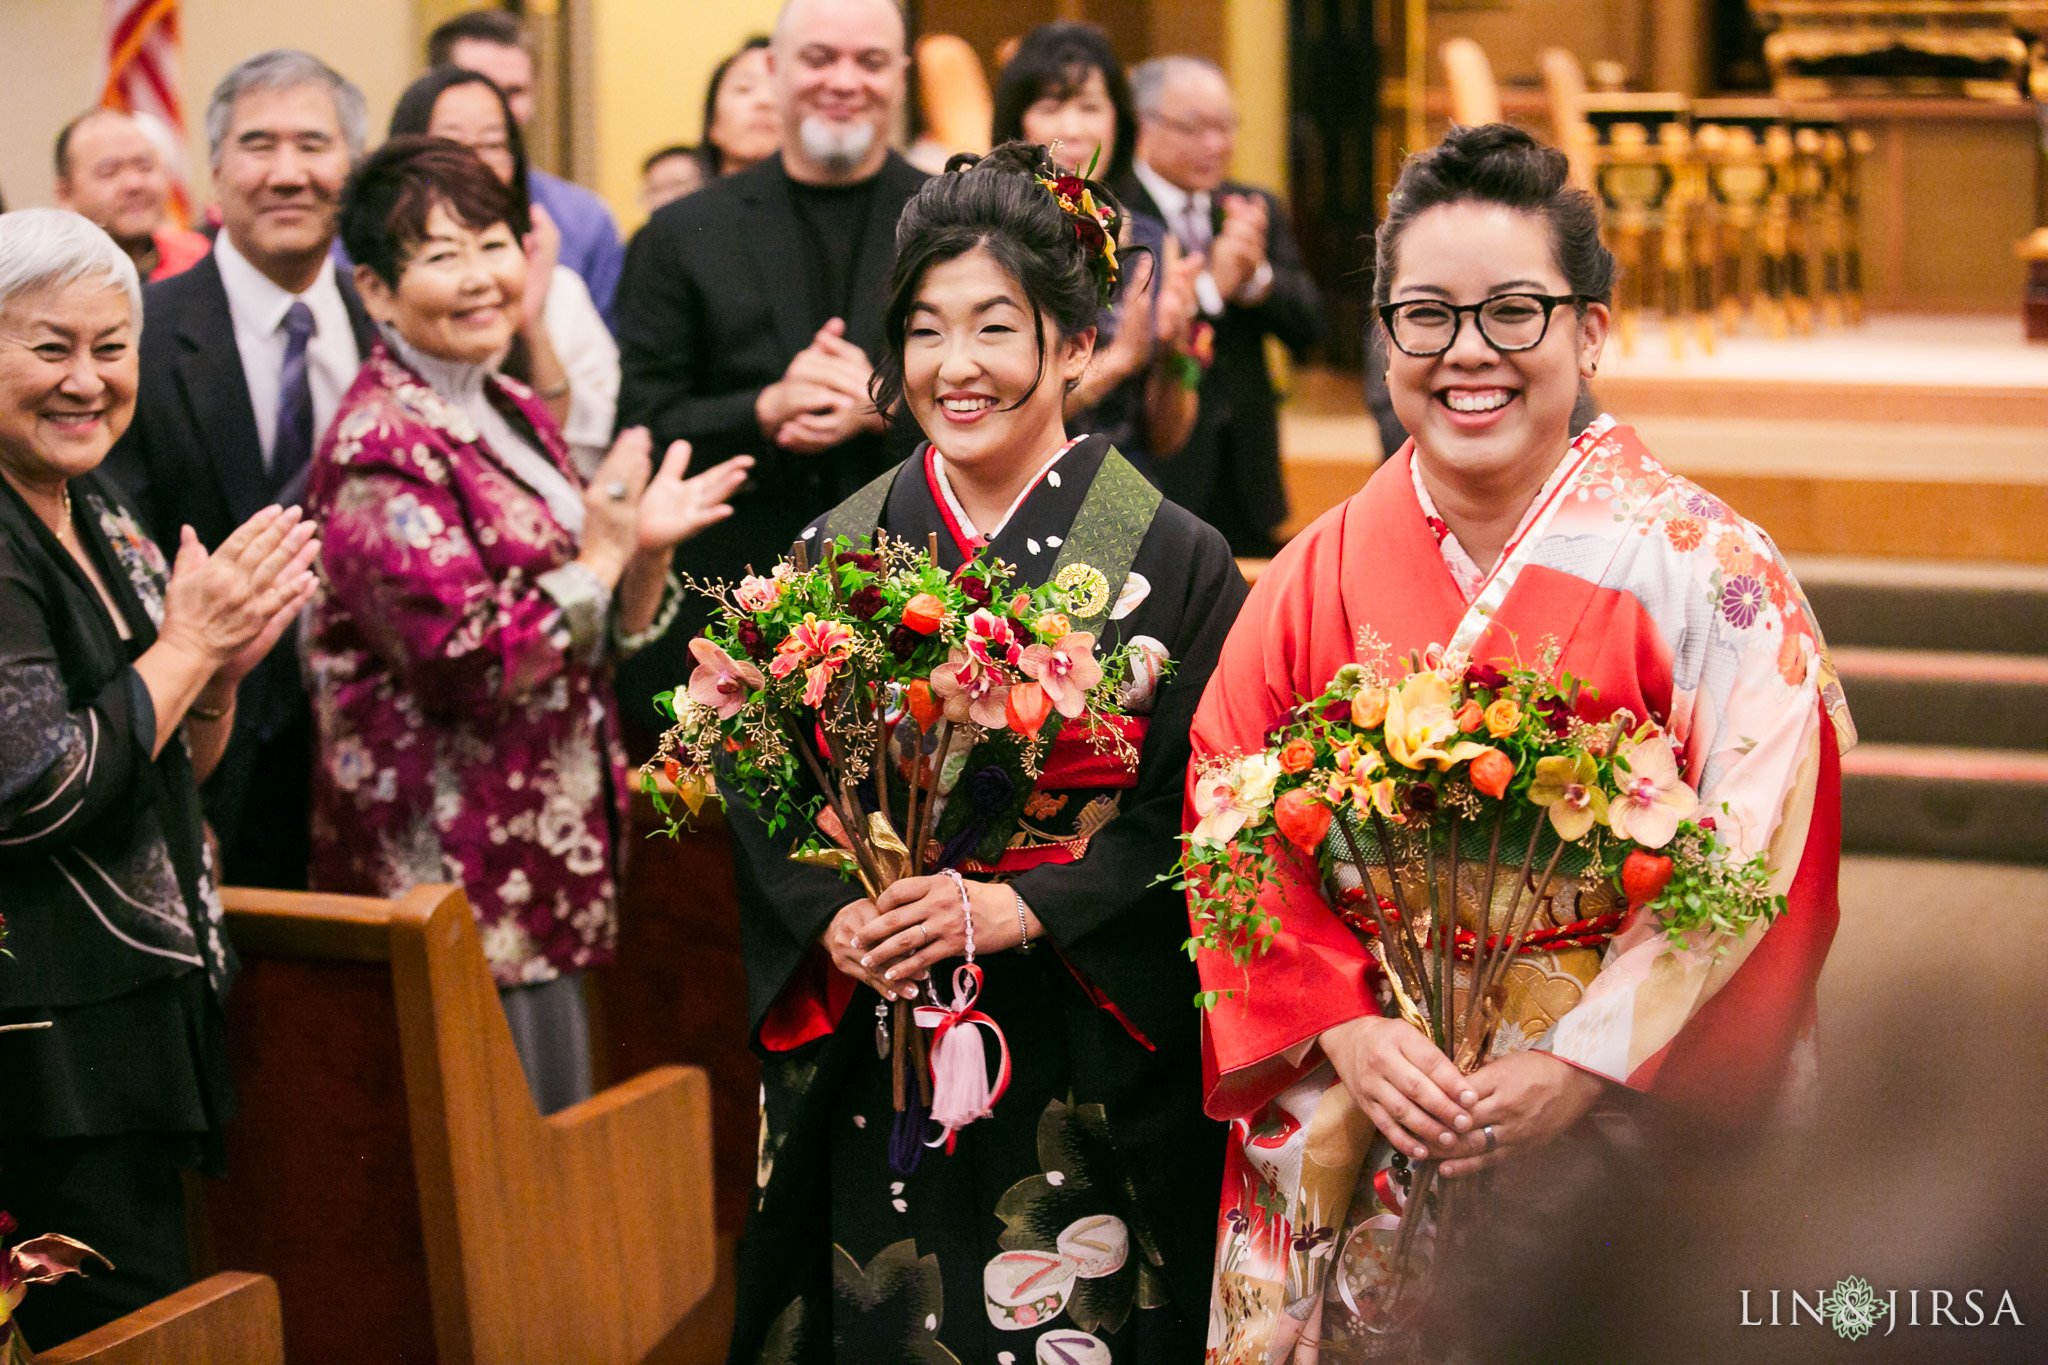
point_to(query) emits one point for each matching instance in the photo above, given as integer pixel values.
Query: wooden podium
(389, 1170)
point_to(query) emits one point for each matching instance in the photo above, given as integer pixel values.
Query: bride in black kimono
(1075, 1225)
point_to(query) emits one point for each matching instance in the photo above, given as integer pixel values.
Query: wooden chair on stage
(1636, 147)
(389, 1169)
(229, 1319)
(1745, 164)
(1475, 95)
(1564, 83)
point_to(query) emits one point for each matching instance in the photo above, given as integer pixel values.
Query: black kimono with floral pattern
(1074, 1225)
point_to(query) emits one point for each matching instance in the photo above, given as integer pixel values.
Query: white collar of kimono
(967, 526)
(1484, 592)
(462, 384)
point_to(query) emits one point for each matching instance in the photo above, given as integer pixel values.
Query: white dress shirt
(1188, 219)
(258, 305)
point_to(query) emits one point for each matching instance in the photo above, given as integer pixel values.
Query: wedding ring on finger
(922, 937)
(616, 490)
(1492, 1142)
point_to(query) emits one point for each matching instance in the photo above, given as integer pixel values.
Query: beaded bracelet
(665, 616)
(966, 909)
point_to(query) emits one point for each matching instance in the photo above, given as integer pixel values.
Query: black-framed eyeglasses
(1509, 322)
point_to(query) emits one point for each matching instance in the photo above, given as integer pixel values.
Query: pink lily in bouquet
(829, 643)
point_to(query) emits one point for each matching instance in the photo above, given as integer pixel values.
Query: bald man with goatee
(750, 313)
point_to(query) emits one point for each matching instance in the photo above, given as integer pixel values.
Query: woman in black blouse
(117, 691)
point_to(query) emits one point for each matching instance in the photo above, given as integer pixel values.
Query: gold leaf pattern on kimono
(889, 1311)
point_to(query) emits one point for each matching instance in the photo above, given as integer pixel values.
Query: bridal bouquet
(845, 699)
(1442, 809)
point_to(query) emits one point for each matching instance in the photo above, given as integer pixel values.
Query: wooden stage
(1919, 437)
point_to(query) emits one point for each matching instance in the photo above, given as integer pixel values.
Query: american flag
(142, 78)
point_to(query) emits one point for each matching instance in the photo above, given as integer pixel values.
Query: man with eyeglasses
(1253, 286)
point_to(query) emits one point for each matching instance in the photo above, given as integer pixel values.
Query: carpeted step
(1934, 801)
(1913, 604)
(1909, 696)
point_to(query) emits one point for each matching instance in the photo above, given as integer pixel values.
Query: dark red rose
(867, 604)
(1089, 234)
(1070, 186)
(1556, 712)
(1419, 799)
(1487, 676)
(751, 640)
(903, 642)
(1337, 710)
(869, 563)
(973, 585)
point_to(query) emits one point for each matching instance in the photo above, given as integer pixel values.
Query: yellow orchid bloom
(1565, 784)
(1421, 723)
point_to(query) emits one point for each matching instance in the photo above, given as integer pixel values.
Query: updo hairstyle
(997, 202)
(1498, 164)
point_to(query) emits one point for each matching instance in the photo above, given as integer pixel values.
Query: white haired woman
(117, 691)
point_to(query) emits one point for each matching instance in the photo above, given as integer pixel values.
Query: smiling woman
(1500, 539)
(478, 594)
(117, 691)
(1059, 1227)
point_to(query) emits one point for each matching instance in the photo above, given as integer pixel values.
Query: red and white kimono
(1662, 600)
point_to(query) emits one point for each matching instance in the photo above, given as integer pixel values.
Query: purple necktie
(293, 448)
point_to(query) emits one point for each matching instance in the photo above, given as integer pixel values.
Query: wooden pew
(230, 1319)
(389, 1168)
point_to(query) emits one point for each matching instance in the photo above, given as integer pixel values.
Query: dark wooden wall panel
(323, 1117)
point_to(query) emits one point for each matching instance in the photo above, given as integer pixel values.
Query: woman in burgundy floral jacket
(476, 596)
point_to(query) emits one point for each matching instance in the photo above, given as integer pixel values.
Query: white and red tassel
(961, 1091)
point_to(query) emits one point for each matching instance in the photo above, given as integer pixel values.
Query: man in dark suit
(245, 358)
(1254, 286)
(750, 312)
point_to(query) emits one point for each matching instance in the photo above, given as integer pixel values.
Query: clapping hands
(1240, 247)
(631, 508)
(822, 398)
(229, 608)
(673, 508)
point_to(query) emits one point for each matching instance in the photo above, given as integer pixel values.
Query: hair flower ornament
(1095, 219)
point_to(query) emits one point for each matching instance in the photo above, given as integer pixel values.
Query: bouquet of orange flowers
(1437, 807)
(846, 698)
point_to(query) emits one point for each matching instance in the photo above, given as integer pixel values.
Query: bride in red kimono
(1503, 530)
